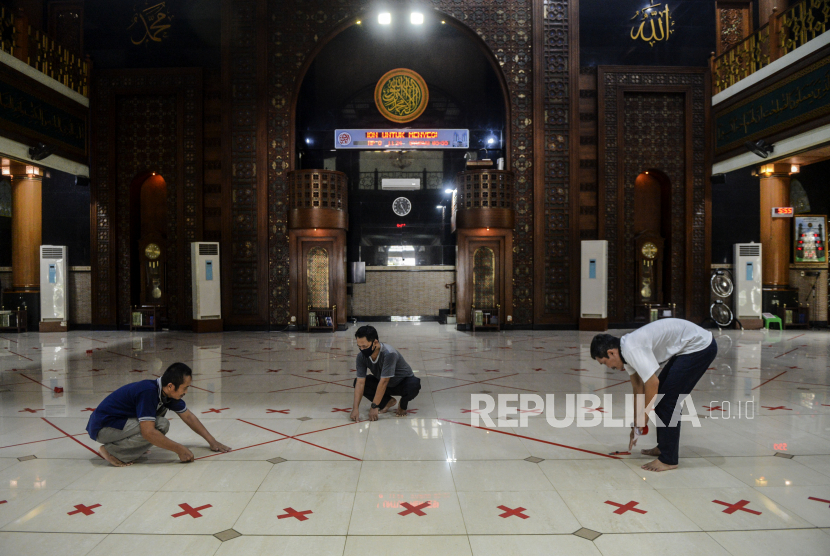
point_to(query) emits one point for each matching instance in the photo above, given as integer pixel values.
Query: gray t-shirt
(390, 364)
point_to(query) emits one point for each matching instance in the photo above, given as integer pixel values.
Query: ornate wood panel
(144, 120)
(556, 223)
(655, 118)
(297, 30)
(244, 190)
(66, 24)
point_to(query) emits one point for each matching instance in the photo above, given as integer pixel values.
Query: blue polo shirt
(140, 400)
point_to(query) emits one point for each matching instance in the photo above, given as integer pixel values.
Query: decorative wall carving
(66, 24)
(557, 202)
(295, 29)
(144, 120)
(656, 108)
(244, 185)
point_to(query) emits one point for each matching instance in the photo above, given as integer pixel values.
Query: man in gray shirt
(389, 375)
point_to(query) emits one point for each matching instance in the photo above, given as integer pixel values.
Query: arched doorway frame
(360, 16)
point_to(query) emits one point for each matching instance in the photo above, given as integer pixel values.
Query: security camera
(760, 148)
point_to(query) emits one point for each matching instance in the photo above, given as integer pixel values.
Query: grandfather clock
(152, 253)
(648, 252)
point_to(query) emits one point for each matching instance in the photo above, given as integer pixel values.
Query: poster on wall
(637, 33)
(810, 239)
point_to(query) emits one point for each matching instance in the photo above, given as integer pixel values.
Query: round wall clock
(649, 250)
(152, 251)
(401, 206)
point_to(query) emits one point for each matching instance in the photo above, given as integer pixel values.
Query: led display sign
(378, 139)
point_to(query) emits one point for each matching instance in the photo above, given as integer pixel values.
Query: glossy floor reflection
(754, 476)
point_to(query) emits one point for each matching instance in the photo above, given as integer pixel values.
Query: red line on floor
(483, 381)
(328, 428)
(770, 380)
(612, 385)
(320, 380)
(8, 339)
(93, 339)
(36, 441)
(264, 428)
(328, 449)
(23, 356)
(240, 449)
(286, 437)
(785, 353)
(73, 438)
(122, 355)
(534, 439)
(794, 337)
(35, 381)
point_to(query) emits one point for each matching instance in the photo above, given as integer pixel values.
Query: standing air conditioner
(207, 298)
(748, 284)
(53, 267)
(593, 304)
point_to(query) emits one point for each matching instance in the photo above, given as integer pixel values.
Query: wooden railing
(41, 52)
(784, 32)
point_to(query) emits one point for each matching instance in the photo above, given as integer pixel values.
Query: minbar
(207, 325)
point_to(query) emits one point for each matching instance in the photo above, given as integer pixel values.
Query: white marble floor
(430, 483)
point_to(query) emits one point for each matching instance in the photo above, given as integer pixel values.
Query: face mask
(367, 353)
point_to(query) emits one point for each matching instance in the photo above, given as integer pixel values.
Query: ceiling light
(7, 171)
(358, 22)
(795, 168)
(449, 191)
(384, 18)
(440, 206)
(417, 18)
(32, 170)
(490, 141)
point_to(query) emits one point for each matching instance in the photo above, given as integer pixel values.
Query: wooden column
(775, 232)
(26, 228)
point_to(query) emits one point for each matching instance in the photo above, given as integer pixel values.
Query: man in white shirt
(686, 351)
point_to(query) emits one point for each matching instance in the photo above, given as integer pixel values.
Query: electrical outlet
(802, 274)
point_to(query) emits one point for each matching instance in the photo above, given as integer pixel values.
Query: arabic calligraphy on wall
(26, 114)
(401, 95)
(646, 33)
(803, 96)
(647, 30)
(151, 23)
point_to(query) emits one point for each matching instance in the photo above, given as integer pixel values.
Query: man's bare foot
(658, 465)
(401, 412)
(112, 460)
(653, 452)
(392, 403)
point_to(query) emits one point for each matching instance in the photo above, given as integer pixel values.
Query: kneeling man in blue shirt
(131, 419)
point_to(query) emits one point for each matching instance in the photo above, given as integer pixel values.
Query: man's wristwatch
(375, 406)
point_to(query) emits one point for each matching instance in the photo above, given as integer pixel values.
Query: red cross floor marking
(137, 371)
(413, 509)
(294, 513)
(213, 410)
(274, 370)
(777, 407)
(3, 501)
(283, 411)
(579, 370)
(594, 409)
(470, 410)
(88, 409)
(344, 410)
(796, 367)
(29, 410)
(530, 411)
(732, 508)
(517, 512)
(192, 512)
(227, 371)
(717, 407)
(825, 405)
(86, 510)
(412, 411)
(622, 508)
(492, 371)
(537, 370)
(809, 498)
(313, 371)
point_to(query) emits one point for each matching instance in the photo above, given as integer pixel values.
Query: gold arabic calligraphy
(151, 24)
(814, 90)
(660, 24)
(401, 95)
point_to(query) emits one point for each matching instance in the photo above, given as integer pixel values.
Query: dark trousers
(678, 378)
(407, 389)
